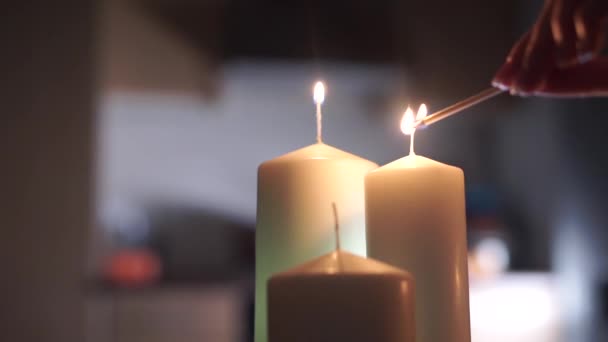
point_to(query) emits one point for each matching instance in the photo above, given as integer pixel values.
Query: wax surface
(415, 211)
(294, 217)
(341, 297)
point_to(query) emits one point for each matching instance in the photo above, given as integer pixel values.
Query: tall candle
(293, 223)
(415, 213)
(341, 297)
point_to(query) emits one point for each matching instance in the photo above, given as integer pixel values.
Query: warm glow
(408, 121)
(319, 93)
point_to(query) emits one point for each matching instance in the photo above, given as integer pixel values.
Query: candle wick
(337, 232)
(412, 153)
(337, 225)
(319, 123)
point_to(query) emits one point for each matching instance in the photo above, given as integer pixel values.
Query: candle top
(318, 151)
(414, 161)
(343, 263)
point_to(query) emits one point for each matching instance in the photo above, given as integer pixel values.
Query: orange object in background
(133, 268)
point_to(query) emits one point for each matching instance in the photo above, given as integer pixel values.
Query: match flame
(319, 93)
(422, 112)
(409, 120)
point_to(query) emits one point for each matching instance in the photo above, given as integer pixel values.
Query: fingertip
(507, 85)
(499, 85)
(504, 76)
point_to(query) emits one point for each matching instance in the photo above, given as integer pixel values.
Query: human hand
(559, 56)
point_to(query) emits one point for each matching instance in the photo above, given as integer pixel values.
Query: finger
(564, 33)
(589, 79)
(539, 55)
(518, 50)
(588, 22)
(505, 75)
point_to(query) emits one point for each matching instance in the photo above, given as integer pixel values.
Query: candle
(293, 224)
(415, 213)
(341, 297)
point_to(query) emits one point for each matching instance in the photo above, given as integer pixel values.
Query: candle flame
(409, 120)
(319, 93)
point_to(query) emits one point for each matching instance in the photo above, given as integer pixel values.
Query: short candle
(341, 297)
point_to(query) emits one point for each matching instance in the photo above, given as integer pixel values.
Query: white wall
(158, 146)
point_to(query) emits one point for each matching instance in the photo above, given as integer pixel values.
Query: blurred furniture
(185, 314)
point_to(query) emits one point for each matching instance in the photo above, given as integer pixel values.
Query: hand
(559, 56)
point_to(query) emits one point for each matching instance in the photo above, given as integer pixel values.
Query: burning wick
(319, 96)
(408, 123)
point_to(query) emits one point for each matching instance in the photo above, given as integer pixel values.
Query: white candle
(415, 214)
(293, 223)
(341, 297)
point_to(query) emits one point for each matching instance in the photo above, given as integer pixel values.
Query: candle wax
(341, 297)
(415, 212)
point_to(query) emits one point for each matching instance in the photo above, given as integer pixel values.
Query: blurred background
(131, 132)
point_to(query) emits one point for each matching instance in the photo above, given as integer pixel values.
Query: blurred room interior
(132, 132)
